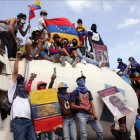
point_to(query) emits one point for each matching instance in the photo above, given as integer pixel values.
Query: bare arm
(44, 25)
(93, 109)
(52, 81)
(15, 72)
(3, 21)
(75, 47)
(127, 68)
(44, 40)
(11, 27)
(23, 33)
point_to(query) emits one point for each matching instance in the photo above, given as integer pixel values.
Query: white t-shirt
(20, 106)
(40, 21)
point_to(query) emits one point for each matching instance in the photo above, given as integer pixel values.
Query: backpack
(4, 102)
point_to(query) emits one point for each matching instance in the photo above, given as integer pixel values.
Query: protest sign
(101, 54)
(116, 102)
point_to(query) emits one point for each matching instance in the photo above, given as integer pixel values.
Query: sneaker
(56, 58)
(63, 61)
(101, 64)
(30, 58)
(83, 61)
(77, 60)
(37, 58)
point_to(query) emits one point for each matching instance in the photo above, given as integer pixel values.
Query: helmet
(119, 59)
(21, 15)
(136, 74)
(35, 29)
(117, 70)
(62, 85)
(43, 12)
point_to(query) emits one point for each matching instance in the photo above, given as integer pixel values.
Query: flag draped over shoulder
(63, 27)
(32, 7)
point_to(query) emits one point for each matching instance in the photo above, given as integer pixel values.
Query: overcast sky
(118, 22)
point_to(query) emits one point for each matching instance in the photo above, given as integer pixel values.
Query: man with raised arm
(124, 74)
(21, 123)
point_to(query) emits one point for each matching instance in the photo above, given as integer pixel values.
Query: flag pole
(29, 20)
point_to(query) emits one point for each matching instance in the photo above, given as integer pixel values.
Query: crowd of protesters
(39, 46)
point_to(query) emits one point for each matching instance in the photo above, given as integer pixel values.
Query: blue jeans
(51, 135)
(23, 129)
(69, 129)
(88, 60)
(83, 120)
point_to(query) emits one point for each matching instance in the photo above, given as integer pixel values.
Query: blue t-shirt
(43, 52)
(81, 99)
(124, 77)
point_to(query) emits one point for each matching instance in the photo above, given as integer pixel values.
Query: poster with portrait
(101, 54)
(116, 102)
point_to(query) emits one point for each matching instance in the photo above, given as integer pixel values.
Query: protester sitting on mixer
(55, 48)
(31, 49)
(69, 126)
(85, 59)
(21, 122)
(44, 51)
(124, 74)
(71, 50)
(40, 86)
(7, 29)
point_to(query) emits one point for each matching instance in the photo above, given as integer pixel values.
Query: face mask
(79, 25)
(93, 28)
(74, 43)
(62, 90)
(119, 62)
(44, 17)
(23, 21)
(81, 83)
(58, 43)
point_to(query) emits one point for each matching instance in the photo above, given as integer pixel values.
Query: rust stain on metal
(45, 110)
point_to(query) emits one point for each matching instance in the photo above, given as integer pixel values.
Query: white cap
(117, 70)
(35, 29)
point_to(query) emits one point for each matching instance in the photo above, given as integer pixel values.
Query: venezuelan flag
(32, 7)
(63, 27)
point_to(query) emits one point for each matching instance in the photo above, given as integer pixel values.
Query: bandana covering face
(20, 90)
(81, 86)
(63, 93)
